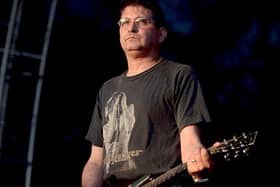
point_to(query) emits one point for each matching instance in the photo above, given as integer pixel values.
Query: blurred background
(56, 54)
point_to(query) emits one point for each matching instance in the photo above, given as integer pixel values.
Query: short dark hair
(153, 5)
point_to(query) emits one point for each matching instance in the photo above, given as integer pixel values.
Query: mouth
(131, 38)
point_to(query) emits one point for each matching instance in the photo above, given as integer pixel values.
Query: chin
(134, 49)
(135, 53)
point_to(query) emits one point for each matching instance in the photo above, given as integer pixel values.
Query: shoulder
(113, 79)
(177, 68)
(111, 82)
(177, 65)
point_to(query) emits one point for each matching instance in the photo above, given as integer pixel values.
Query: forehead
(135, 11)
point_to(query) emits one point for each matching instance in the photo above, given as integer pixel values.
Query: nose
(132, 27)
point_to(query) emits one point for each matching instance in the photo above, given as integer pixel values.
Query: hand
(194, 154)
(199, 164)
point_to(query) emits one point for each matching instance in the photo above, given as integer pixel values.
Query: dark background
(230, 43)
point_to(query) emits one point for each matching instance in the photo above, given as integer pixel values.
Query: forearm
(190, 141)
(92, 175)
(194, 154)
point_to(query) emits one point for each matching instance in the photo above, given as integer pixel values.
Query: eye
(141, 21)
(123, 21)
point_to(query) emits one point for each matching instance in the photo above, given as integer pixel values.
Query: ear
(162, 34)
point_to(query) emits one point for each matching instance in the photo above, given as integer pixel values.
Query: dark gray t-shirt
(137, 119)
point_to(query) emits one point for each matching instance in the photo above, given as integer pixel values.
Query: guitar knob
(246, 152)
(227, 157)
(236, 153)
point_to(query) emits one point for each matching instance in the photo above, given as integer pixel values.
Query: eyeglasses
(140, 22)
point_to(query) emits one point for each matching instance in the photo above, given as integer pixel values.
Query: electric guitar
(228, 150)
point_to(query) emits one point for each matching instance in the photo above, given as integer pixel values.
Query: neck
(139, 65)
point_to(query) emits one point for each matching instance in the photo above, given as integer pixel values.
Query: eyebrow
(135, 17)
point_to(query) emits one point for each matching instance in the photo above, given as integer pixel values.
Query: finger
(193, 169)
(199, 161)
(217, 144)
(206, 159)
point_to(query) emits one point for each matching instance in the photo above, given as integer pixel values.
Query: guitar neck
(229, 149)
(174, 171)
(167, 175)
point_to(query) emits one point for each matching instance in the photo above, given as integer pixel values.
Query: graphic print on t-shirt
(120, 120)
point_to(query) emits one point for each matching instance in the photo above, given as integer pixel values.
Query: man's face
(138, 33)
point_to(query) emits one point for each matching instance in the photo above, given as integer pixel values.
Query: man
(146, 121)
